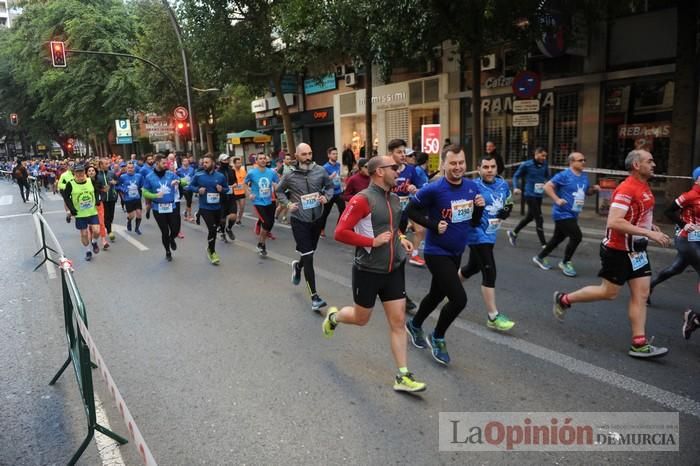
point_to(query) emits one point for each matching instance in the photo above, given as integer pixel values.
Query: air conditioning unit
(339, 71)
(488, 62)
(350, 79)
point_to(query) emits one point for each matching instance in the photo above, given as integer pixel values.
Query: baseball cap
(223, 158)
(408, 151)
(696, 173)
(79, 167)
(361, 162)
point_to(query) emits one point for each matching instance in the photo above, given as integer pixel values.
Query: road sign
(526, 106)
(526, 119)
(123, 131)
(526, 84)
(181, 113)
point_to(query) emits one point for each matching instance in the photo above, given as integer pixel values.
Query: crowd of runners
(392, 209)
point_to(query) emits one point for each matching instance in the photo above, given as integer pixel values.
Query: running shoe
(501, 323)
(407, 383)
(417, 261)
(112, 236)
(173, 244)
(317, 303)
(138, 231)
(558, 308)
(567, 268)
(691, 321)
(512, 237)
(410, 305)
(95, 248)
(223, 237)
(416, 334)
(213, 257)
(231, 235)
(541, 263)
(169, 256)
(647, 350)
(296, 273)
(262, 250)
(439, 350)
(128, 225)
(105, 246)
(88, 256)
(323, 234)
(328, 327)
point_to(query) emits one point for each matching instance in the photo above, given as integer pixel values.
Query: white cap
(223, 158)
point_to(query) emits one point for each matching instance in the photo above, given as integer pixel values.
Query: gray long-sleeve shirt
(303, 187)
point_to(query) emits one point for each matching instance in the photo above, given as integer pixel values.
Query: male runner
(161, 187)
(482, 239)
(261, 182)
(239, 189)
(210, 184)
(108, 193)
(229, 206)
(333, 169)
(130, 184)
(536, 173)
(81, 199)
(186, 172)
(448, 209)
(145, 170)
(63, 180)
(623, 253)
(304, 192)
(370, 223)
(568, 189)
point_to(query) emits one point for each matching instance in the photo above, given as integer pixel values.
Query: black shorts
(229, 206)
(367, 285)
(306, 235)
(616, 266)
(266, 215)
(132, 206)
(238, 197)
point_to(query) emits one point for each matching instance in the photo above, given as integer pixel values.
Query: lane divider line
(121, 231)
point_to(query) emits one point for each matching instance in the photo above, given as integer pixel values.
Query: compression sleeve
(356, 210)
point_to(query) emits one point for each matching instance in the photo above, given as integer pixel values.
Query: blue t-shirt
(156, 184)
(260, 183)
(334, 168)
(131, 186)
(211, 199)
(536, 175)
(496, 195)
(453, 204)
(146, 170)
(186, 173)
(572, 188)
(407, 177)
(422, 176)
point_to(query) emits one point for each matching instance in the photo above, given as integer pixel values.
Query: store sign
(259, 105)
(526, 119)
(526, 106)
(386, 98)
(430, 142)
(500, 81)
(505, 104)
(321, 115)
(661, 129)
(325, 83)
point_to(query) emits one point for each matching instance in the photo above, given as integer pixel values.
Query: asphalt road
(227, 365)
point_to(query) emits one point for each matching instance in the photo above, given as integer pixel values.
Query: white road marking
(50, 267)
(29, 213)
(6, 200)
(663, 397)
(121, 231)
(106, 447)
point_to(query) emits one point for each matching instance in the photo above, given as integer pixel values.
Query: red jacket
(354, 185)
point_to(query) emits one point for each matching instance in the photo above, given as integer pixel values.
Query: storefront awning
(247, 136)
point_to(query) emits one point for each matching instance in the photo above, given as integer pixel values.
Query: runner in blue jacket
(536, 174)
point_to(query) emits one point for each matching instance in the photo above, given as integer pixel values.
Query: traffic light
(58, 54)
(183, 128)
(14, 119)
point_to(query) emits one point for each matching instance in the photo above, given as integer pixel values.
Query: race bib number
(539, 188)
(309, 201)
(462, 210)
(86, 202)
(213, 198)
(133, 192)
(165, 208)
(403, 202)
(336, 181)
(638, 260)
(694, 236)
(578, 205)
(494, 225)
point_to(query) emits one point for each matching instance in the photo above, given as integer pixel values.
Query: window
(565, 128)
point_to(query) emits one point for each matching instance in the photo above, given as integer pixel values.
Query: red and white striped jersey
(636, 199)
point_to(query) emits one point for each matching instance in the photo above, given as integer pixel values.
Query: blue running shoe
(416, 334)
(439, 348)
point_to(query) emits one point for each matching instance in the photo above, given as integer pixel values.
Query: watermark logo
(543, 431)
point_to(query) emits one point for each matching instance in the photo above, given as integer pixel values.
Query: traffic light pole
(176, 28)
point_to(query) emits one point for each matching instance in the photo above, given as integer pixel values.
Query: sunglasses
(394, 166)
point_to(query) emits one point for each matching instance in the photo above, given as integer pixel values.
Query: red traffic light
(180, 126)
(14, 119)
(58, 54)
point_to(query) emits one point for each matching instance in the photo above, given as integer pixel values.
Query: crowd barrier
(82, 351)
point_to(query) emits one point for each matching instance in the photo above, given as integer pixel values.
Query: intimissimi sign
(505, 103)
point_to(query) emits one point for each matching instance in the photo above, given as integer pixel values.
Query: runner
(482, 239)
(21, 176)
(81, 199)
(370, 224)
(685, 213)
(287, 167)
(66, 177)
(108, 194)
(145, 170)
(536, 173)
(261, 182)
(229, 206)
(161, 187)
(568, 189)
(239, 189)
(304, 192)
(333, 169)
(186, 172)
(91, 172)
(623, 253)
(130, 184)
(448, 208)
(210, 184)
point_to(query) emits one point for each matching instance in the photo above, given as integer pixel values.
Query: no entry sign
(526, 84)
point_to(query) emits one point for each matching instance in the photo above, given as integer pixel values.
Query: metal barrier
(81, 347)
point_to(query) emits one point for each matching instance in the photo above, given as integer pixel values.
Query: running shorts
(366, 286)
(132, 206)
(306, 235)
(616, 266)
(83, 222)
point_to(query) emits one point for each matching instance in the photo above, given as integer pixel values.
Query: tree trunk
(369, 140)
(210, 138)
(684, 99)
(286, 117)
(476, 104)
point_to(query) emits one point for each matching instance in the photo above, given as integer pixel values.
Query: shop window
(565, 128)
(637, 116)
(397, 124)
(348, 104)
(428, 116)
